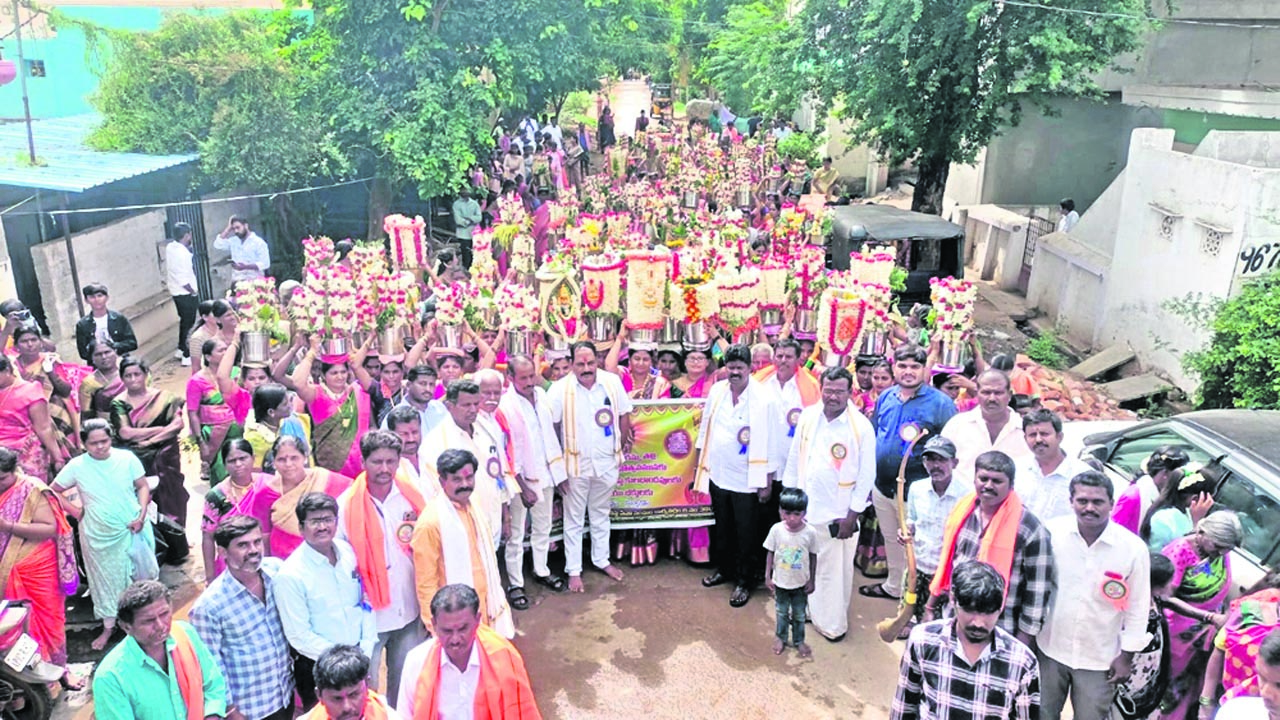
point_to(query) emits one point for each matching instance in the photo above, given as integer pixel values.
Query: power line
(1147, 18)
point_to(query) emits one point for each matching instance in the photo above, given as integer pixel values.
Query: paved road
(658, 645)
(627, 98)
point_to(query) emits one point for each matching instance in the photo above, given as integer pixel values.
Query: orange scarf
(508, 447)
(375, 708)
(806, 383)
(997, 546)
(503, 692)
(186, 666)
(364, 528)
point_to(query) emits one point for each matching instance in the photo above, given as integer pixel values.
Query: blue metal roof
(68, 164)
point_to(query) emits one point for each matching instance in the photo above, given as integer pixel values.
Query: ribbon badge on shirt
(839, 451)
(793, 417)
(1115, 590)
(744, 437)
(494, 468)
(604, 418)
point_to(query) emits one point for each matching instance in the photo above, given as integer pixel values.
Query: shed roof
(67, 164)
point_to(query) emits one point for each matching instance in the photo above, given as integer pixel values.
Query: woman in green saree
(208, 410)
(341, 410)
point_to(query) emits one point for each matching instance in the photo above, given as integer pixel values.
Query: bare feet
(102, 640)
(575, 584)
(613, 572)
(72, 681)
(804, 650)
(778, 646)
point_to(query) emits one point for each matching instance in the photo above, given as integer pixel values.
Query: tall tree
(752, 59)
(932, 81)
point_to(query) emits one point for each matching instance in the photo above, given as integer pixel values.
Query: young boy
(794, 544)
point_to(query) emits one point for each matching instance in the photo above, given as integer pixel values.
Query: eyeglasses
(319, 522)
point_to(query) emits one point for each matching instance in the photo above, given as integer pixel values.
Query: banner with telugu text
(654, 481)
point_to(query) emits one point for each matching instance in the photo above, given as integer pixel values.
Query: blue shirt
(129, 685)
(245, 635)
(929, 408)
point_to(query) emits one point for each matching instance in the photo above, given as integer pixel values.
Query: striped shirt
(246, 637)
(936, 680)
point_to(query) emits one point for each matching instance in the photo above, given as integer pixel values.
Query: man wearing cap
(833, 459)
(928, 506)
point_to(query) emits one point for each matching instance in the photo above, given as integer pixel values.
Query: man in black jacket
(101, 322)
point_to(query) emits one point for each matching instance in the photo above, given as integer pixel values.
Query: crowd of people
(370, 511)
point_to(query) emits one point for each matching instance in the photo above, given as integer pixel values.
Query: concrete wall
(995, 239)
(216, 211)
(860, 168)
(126, 256)
(1067, 284)
(1183, 222)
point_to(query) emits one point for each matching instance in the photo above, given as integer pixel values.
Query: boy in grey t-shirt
(788, 568)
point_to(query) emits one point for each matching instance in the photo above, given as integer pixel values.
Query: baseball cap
(939, 445)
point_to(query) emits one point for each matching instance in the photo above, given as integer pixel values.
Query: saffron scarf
(455, 547)
(186, 667)
(503, 692)
(998, 546)
(806, 383)
(364, 528)
(375, 708)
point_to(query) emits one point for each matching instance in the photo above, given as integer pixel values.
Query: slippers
(741, 594)
(875, 591)
(555, 583)
(517, 598)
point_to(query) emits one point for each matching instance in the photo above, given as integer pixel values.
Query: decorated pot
(742, 199)
(646, 337)
(520, 342)
(451, 336)
(698, 336)
(602, 328)
(953, 357)
(806, 324)
(670, 331)
(771, 319)
(389, 340)
(874, 344)
(255, 347)
(689, 200)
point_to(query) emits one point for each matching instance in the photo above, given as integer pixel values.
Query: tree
(1240, 367)
(751, 61)
(932, 81)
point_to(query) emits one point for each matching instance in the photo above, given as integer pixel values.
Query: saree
(164, 460)
(95, 395)
(275, 508)
(60, 410)
(1202, 584)
(655, 387)
(217, 422)
(339, 423)
(223, 500)
(1249, 621)
(16, 430)
(262, 438)
(43, 573)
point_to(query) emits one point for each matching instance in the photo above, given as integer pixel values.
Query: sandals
(555, 583)
(741, 594)
(875, 591)
(517, 598)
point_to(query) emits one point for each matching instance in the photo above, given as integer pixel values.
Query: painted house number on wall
(1257, 259)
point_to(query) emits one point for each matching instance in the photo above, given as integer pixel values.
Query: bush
(800, 146)
(1044, 350)
(1240, 367)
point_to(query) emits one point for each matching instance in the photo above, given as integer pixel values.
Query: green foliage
(1240, 367)
(1044, 349)
(218, 85)
(933, 80)
(751, 60)
(800, 146)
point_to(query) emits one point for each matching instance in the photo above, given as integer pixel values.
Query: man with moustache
(376, 515)
(1090, 634)
(592, 414)
(966, 665)
(407, 425)
(250, 256)
(237, 618)
(991, 525)
(419, 394)
(467, 670)
(833, 459)
(452, 544)
(1045, 477)
(342, 683)
(462, 430)
(929, 504)
(913, 402)
(539, 468)
(992, 425)
(319, 596)
(796, 388)
(734, 463)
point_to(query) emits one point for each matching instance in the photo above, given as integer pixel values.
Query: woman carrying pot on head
(211, 419)
(639, 377)
(341, 409)
(274, 502)
(112, 489)
(44, 369)
(1162, 467)
(148, 422)
(239, 394)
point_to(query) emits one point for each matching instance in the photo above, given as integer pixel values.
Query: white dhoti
(832, 584)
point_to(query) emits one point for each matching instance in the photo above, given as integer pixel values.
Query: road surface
(628, 98)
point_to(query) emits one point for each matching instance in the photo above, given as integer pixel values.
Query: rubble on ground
(1071, 397)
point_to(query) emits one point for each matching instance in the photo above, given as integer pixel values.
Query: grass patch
(1044, 350)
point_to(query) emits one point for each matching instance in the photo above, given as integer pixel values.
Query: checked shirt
(935, 680)
(248, 641)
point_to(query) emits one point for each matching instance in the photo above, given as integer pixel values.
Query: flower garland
(841, 314)
(699, 299)
(775, 280)
(368, 270)
(317, 251)
(451, 303)
(517, 308)
(647, 273)
(953, 306)
(810, 272)
(739, 298)
(407, 235)
(256, 299)
(398, 299)
(602, 284)
(484, 269)
(875, 268)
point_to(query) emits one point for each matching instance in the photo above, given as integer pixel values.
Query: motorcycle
(24, 676)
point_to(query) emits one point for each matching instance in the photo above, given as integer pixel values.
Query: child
(795, 544)
(1140, 695)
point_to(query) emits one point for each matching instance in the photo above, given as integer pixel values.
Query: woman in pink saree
(341, 410)
(1233, 664)
(25, 425)
(274, 501)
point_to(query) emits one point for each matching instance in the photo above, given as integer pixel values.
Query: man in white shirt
(592, 414)
(376, 516)
(734, 463)
(1043, 480)
(250, 256)
(993, 425)
(405, 422)
(419, 394)
(1098, 618)
(180, 278)
(319, 596)
(1267, 707)
(833, 459)
(462, 430)
(1069, 215)
(796, 389)
(553, 129)
(929, 504)
(445, 670)
(539, 468)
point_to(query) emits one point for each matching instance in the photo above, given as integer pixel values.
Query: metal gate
(1036, 227)
(192, 215)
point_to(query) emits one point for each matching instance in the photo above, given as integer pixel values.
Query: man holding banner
(592, 413)
(734, 463)
(833, 459)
